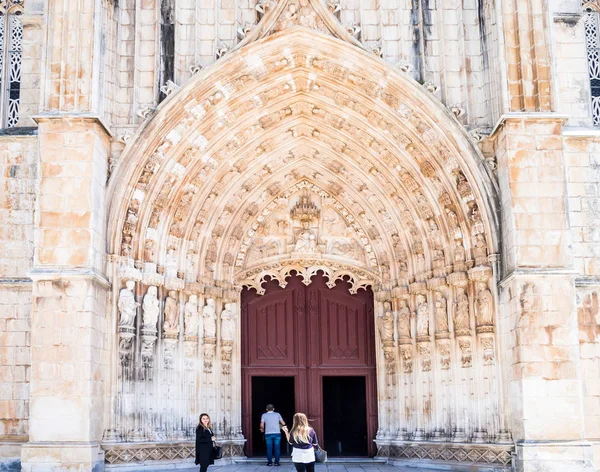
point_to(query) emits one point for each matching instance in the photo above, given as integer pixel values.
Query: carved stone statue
(386, 323)
(127, 305)
(422, 316)
(150, 307)
(228, 323)
(190, 316)
(171, 265)
(209, 315)
(485, 303)
(461, 315)
(441, 313)
(171, 313)
(459, 252)
(404, 320)
(149, 251)
(307, 241)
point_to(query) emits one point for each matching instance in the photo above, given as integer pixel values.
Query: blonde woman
(303, 440)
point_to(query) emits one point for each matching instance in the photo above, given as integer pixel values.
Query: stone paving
(287, 466)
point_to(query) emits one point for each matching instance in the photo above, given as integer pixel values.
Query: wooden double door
(320, 342)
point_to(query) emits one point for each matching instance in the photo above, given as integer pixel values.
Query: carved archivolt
(204, 181)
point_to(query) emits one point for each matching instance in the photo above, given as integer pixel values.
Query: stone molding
(465, 454)
(157, 452)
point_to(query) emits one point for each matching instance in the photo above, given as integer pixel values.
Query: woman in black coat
(204, 443)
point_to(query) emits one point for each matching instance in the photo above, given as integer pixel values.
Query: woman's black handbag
(217, 452)
(320, 454)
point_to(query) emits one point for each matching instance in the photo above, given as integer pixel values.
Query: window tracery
(11, 46)
(592, 41)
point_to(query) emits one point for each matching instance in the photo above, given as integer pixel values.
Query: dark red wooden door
(308, 332)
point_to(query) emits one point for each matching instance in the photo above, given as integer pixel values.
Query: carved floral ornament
(243, 139)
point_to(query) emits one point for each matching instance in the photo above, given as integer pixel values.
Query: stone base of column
(174, 455)
(491, 457)
(55, 457)
(554, 456)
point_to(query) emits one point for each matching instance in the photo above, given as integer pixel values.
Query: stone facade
(169, 154)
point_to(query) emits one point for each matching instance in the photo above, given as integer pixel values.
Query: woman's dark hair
(202, 415)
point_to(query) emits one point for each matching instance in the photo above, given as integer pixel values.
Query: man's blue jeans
(273, 441)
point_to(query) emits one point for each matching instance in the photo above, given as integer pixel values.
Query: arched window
(11, 45)
(592, 42)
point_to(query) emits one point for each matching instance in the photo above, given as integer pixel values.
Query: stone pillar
(70, 83)
(538, 321)
(70, 327)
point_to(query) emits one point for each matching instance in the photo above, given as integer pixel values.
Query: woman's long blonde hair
(300, 429)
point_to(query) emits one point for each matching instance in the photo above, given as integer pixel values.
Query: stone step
(330, 460)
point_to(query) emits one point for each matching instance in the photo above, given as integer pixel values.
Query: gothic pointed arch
(284, 109)
(300, 152)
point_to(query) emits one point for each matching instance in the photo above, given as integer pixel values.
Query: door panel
(308, 332)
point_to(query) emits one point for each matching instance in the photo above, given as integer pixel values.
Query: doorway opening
(345, 416)
(279, 391)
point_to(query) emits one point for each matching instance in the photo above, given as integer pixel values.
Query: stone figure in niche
(420, 264)
(190, 265)
(228, 323)
(435, 234)
(132, 212)
(461, 315)
(453, 224)
(422, 316)
(171, 312)
(126, 248)
(480, 249)
(209, 316)
(151, 309)
(190, 316)
(404, 320)
(441, 313)
(307, 241)
(485, 301)
(149, 251)
(459, 252)
(171, 265)
(196, 231)
(127, 305)
(386, 323)
(154, 219)
(288, 18)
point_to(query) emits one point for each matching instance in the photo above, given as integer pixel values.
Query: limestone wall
(589, 342)
(582, 155)
(18, 171)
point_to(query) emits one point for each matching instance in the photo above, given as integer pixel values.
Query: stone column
(538, 330)
(70, 327)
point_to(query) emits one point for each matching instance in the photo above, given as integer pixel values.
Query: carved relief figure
(127, 305)
(485, 303)
(149, 251)
(404, 320)
(150, 307)
(422, 316)
(406, 353)
(171, 322)
(209, 315)
(228, 323)
(190, 317)
(441, 313)
(171, 264)
(461, 314)
(386, 323)
(307, 241)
